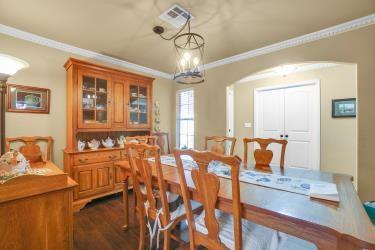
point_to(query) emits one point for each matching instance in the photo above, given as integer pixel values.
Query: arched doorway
(337, 137)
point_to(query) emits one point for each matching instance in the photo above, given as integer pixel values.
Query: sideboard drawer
(94, 157)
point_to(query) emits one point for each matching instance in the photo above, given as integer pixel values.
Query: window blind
(185, 119)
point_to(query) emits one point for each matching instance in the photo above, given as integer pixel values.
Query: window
(185, 118)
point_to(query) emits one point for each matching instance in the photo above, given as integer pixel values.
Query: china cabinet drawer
(87, 158)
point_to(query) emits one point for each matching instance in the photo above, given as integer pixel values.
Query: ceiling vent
(176, 16)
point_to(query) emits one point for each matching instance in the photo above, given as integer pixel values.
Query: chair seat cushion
(180, 211)
(254, 236)
(172, 197)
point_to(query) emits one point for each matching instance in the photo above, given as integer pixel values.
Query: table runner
(285, 183)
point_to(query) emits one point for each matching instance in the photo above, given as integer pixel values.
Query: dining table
(327, 224)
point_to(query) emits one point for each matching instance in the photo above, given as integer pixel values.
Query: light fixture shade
(189, 58)
(9, 65)
(285, 70)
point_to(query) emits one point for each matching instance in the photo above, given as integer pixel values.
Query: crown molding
(311, 37)
(10, 31)
(273, 73)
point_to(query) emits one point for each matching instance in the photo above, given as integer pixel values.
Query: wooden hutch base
(102, 102)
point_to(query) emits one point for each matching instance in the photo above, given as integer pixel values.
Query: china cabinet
(102, 103)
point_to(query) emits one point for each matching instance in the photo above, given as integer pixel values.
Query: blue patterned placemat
(285, 183)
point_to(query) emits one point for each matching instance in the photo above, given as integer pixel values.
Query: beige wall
(47, 71)
(352, 47)
(338, 137)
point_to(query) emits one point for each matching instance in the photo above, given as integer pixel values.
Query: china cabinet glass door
(139, 101)
(93, 111)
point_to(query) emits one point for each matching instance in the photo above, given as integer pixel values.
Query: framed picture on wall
(25, 99)
(344, 108)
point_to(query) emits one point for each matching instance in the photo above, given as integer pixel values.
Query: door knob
(281, 136)
(286, 136)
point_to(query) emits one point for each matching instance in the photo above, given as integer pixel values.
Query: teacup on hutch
(81, 145)
(93, 144)
(121, 141)
(108, 143)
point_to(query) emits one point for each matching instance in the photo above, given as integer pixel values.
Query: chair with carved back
(148, 139)
(31, 150)
(263, 156)
(162, 140)
(215, 229)
(149, 194)
(219, 144)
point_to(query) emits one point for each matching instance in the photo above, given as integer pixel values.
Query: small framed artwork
(344, 108)
(25, 99)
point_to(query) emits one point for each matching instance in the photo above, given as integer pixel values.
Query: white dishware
(93, 144)
(157, 128)
(108, 143)
(157, 104)
(81, 145)
(121, 141)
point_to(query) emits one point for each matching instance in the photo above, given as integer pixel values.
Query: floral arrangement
(14, 164)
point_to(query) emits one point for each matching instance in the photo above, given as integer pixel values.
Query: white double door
(293, 113)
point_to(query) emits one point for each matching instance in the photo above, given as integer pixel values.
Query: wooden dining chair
(149, 194)
(263, 156)
(214, 229)
(162, 140)
(218, 144)
(30, 148)
(148, 139)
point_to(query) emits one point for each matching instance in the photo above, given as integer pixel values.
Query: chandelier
(189, 48)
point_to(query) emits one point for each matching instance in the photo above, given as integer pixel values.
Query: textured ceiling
(123, 28)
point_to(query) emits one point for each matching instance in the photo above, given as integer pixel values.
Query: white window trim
(178, 114)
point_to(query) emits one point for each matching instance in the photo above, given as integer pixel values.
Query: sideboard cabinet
(102, 102)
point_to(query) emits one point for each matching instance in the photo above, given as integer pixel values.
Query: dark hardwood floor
(99, 226)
